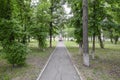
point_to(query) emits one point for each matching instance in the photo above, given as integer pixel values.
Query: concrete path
(60, 66)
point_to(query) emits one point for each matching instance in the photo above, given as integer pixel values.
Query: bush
(4, 77)
(42, 42)
(16, 53)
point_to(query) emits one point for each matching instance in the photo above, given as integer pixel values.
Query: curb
(41, 72)
(68, 53)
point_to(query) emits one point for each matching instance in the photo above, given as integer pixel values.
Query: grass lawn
(36, 59)
(106, 65)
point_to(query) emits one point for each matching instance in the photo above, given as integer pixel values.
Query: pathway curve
(60, 66)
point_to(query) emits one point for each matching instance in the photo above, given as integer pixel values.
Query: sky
(35, 0)
(66, 8)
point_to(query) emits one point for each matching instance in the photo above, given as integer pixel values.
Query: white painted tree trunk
(86, 59)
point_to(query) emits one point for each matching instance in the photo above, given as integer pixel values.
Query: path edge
(75, 67)
(41, 72)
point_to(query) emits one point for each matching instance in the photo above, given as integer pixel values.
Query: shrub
(4, 77)
(16, 53)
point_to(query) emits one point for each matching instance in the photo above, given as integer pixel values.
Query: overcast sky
(35, 0)
(66, 8)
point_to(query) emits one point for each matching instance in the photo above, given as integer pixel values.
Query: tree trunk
(93, 47)
(111, 40)
(51, 26)
(39, 43)
(116, 39)
(24, 40)
(111, 36)
(85, 34)
(100, 40)
(50, 34)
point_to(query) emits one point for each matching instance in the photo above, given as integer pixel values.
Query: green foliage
(4, 77)
(10, 31)
(111, 22)
(70, 32)
(5, 9)
(40, 26)
(8, 28)
(97, 14)
(39, 32)
(15, 53)
(76, 20)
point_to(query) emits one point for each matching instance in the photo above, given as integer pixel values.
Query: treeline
(103, 21)
(21, 20)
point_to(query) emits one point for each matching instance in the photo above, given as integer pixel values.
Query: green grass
(106, 65)
(36, 59)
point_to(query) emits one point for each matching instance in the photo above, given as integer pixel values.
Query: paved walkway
(60, 66)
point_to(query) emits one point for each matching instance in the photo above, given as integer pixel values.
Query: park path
(60, 66)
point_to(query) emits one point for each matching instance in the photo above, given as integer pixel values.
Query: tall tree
(97, 14)
(51, 22)
(77, 22)
(9, 31)
(85, 33)
(55, 5)
(24, 13)
(39, 28)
